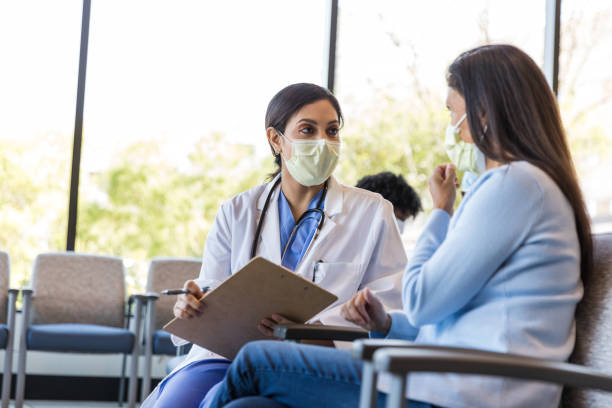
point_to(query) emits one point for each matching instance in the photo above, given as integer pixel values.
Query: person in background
(406, 204)
(406, 201)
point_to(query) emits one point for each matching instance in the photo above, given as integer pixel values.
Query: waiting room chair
(8, 298)
(584, 374)
(592, 353)
(164, 273)
(76, 304)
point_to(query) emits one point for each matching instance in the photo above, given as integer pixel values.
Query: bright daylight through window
(176, 94)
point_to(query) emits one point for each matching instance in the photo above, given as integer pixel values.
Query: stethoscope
(318, 210)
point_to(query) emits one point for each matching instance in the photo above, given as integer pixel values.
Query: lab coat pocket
(340, 278)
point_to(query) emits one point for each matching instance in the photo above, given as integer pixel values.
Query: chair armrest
(150, 298)
(27, 296)
(11, 311)
(151, 295)
(318, 332)
(142, 296)
(364, 349)
(462, 361)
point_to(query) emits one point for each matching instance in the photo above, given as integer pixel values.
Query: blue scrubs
(188, 386)
(304, 233)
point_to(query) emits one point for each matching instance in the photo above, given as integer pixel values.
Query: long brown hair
(513, 115)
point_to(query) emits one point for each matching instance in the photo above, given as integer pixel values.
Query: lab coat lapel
(269, 239)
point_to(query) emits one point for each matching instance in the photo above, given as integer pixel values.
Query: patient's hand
(188, 306)
(366, 311)
(266, 326)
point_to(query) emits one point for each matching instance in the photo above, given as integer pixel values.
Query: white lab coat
(359, 246)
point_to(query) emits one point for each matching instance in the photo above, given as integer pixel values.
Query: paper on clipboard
(234, 309)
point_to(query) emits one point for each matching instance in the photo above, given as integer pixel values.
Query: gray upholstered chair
(164, 273)
(7, 325)
(77, 304)
(585, 373)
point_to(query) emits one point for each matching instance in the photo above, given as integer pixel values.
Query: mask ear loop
(484, 132)
(461, 119)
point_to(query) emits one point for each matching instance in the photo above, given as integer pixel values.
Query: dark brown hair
(513, 115)
(291, 99)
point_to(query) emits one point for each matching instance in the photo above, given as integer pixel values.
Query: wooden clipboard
(233, 310)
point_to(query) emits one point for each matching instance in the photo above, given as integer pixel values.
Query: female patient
(340, 237)
(502, 273)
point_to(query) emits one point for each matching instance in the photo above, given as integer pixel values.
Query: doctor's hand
(267, 325)
(367, 311)
(443, 187)
(188, 305)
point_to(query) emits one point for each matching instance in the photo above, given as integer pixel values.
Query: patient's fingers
(360, 303)
(350, 313)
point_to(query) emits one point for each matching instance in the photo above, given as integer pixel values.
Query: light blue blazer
(502, 274)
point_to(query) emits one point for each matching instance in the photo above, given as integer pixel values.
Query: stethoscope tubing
(302, 217)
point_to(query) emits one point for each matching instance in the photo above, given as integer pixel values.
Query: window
(392, 61)
(585, 99)
(38, 77)
(174, 116)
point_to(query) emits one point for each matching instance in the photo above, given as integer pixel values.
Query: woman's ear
(274, 139)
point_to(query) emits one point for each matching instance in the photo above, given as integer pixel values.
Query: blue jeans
(294, 375)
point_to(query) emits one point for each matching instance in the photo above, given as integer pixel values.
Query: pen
(314, 270)
(181, 291)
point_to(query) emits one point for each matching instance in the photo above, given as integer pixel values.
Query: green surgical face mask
(465, 156)
(312, 161)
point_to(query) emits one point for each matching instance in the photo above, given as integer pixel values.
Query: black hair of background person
(513, 115)
(395, 189)
(290, 100)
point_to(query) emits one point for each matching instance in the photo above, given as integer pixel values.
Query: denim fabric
(255, 402)
(295, 376)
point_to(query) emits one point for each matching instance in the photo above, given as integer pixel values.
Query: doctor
(342, 238)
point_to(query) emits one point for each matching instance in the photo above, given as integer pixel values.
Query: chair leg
(135, 354)
(148, 344)
(368, 394)
(23, 347)
(10, 347)
(122, 380)
(397, 396)
(21, 374)
(6, 376)
(128, 316)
